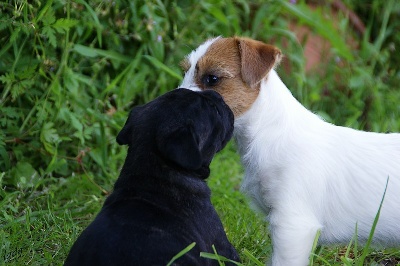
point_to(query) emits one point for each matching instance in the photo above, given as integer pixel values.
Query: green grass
(71, 70)
(245, 228)
(49, 221)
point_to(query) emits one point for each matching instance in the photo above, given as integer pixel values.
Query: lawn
(71, 70)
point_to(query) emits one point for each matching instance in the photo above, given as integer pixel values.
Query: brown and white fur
(303, 173)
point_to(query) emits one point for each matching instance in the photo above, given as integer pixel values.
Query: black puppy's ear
(125, 135)
(181, 146)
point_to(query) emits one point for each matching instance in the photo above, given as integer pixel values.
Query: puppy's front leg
(292, 238)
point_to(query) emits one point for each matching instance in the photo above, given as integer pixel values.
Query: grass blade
(95, 19)
(93, 52)
(181, 253)
(371, 234)
(219, 258)
(346, 259)
(132, 66)
(43, 10)
(252, 258)
(314, 246)
(163, 67)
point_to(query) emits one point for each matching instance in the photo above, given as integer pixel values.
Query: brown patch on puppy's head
(234, 67)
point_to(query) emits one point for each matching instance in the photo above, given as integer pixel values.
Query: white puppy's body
(303, 173)
(309, 175)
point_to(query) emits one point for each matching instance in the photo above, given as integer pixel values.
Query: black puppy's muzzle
(216, 102)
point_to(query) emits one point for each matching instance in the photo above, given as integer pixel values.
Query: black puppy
(161, 202)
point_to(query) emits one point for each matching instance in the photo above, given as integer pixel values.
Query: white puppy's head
(234, 67)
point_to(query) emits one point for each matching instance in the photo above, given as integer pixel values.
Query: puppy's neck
(274, 119)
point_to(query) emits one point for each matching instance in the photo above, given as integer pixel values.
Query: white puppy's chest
(262, 147)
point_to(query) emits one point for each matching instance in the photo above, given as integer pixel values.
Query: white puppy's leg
(292, 238)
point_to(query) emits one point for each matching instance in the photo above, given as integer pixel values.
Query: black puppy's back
(144, 227)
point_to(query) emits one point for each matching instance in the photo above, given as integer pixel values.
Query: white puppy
(303, 173)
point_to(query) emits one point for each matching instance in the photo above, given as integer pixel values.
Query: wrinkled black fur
(161, 202)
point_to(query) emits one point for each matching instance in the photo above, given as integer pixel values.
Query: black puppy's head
(183, 127)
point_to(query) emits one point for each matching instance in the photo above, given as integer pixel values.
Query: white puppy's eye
(210, 80)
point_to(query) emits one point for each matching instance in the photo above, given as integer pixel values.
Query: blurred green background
(71, 70)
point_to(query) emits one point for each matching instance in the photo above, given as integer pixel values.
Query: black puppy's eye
(210, 80)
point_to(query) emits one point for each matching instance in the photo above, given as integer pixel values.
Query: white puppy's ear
(257, 59)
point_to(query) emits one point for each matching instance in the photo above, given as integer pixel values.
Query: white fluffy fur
(308, 175)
